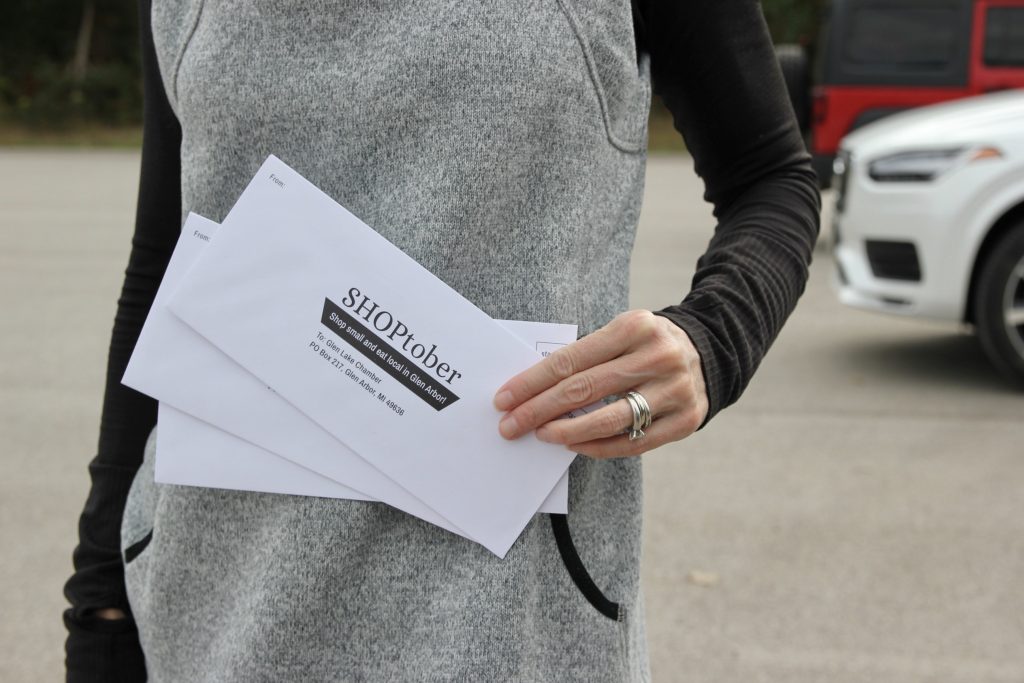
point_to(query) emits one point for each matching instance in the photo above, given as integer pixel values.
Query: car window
(899, 42)
(1004, 36)
(903, 37)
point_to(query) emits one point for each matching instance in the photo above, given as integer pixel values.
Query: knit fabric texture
(502, 147)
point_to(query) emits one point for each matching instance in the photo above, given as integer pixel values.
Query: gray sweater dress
(501, 145)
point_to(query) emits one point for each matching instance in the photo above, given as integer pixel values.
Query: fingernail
(544, 435)
(508, 426)
(503, 401)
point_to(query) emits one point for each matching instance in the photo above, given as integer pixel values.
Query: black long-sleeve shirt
(714, 67)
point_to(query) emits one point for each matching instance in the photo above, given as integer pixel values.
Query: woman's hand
(637, 351)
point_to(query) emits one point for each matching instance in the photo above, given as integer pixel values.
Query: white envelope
(193, 453)
(171, 361)
(281, 290)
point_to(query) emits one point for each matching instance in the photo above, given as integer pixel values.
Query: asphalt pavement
(857, 517)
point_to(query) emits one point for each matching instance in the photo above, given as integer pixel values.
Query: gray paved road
(858, 517)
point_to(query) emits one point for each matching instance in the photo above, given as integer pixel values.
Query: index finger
(593, 349)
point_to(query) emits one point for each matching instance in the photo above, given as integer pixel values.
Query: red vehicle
(878, 57)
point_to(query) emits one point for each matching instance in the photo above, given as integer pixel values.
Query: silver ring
(634, 432)
(641, 414)
(645, 408)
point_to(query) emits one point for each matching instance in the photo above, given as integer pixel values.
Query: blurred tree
(794, 21)
(66, 62)
(78, 61)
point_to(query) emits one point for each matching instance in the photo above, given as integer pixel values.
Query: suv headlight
(924, 165)
(915, 166)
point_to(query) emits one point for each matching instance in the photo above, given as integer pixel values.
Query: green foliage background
(793, 21)
(39, 88)
(37, 45)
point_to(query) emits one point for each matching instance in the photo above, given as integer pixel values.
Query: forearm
(715, 68)
(748, 282)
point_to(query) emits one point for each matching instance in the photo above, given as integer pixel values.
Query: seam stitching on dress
(595, 80)
(184, 48)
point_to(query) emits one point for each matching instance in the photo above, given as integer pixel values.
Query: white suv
(929, 219)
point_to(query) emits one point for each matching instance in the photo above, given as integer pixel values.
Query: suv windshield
(901, 42)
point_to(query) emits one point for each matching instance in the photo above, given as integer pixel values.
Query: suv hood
(987, 119)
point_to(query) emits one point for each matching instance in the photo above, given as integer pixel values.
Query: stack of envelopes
(294, 350)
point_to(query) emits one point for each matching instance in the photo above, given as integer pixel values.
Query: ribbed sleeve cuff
(711, 365)
(103, 650)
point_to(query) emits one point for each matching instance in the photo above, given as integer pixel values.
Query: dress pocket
(136, 548)
(174, 24)
(140, 506)
(621, 77)
(578, 572)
